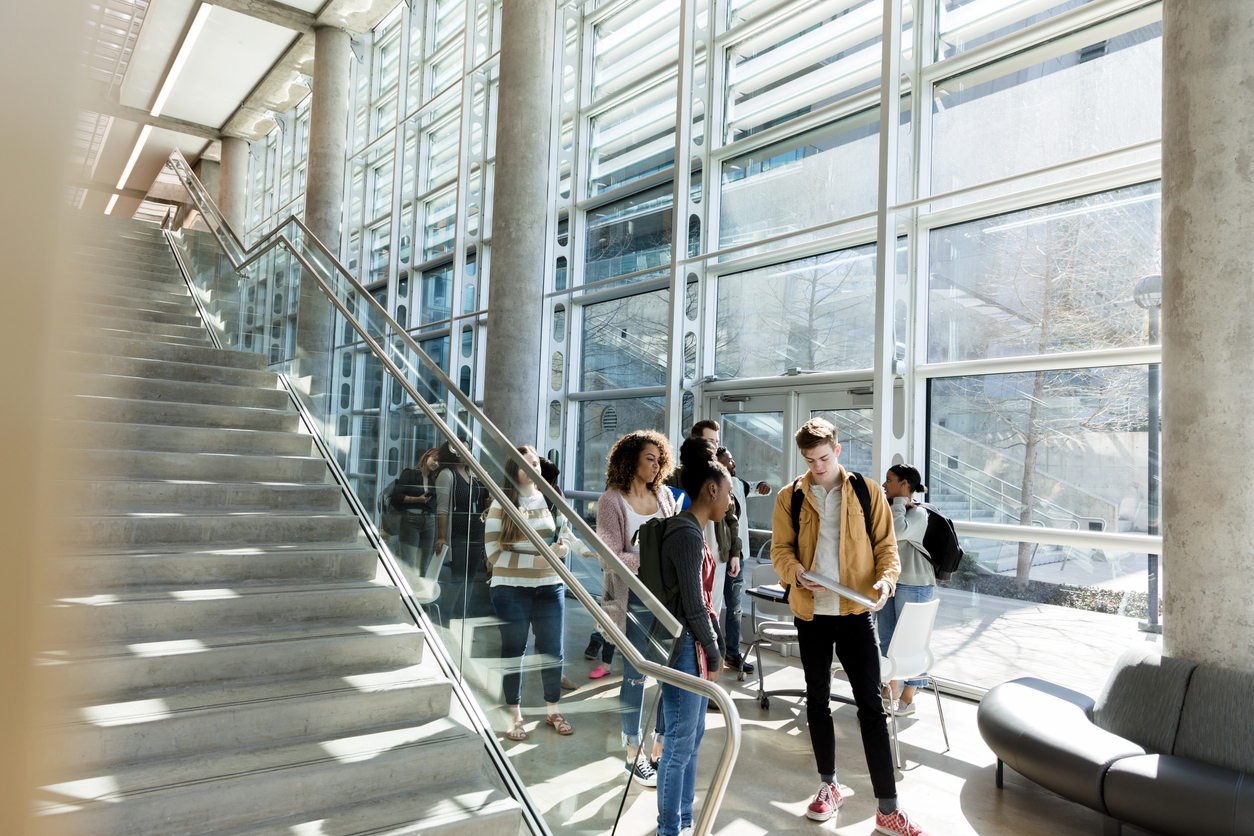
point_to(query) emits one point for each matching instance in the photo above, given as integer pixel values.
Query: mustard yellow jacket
(862, 564)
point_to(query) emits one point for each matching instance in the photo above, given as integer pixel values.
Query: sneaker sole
(643, 782)
(825, 816)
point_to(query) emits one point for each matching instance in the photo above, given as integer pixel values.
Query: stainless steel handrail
(722, 773)
(263, 245)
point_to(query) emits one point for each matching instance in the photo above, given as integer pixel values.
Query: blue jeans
(542, 608)
(732, 589)
(631, 694)
(886, 619)
(685, 726)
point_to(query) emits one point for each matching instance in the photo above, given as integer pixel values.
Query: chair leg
(757, 651)
(896, 743)
(941, 712)
(1000, 784)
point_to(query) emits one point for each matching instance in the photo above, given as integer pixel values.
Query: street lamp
(1149, 296)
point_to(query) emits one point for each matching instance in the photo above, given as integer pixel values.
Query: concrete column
(519, 214)
(1208, 342)
(232, 194)
(207, 172)
(324, 197)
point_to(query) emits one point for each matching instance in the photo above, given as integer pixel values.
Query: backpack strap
(864, 499)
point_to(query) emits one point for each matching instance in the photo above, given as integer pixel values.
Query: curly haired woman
(635, 491)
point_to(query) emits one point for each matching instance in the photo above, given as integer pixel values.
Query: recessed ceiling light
(202, 14)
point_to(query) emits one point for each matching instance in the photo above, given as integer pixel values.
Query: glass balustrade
(514, 632)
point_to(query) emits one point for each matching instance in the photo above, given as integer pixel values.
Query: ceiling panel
(163, 28)
(227, 61)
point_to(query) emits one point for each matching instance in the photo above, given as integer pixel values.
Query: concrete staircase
(237, 664)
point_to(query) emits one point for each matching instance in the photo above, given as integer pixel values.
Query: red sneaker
(896, 824)
(825, 804)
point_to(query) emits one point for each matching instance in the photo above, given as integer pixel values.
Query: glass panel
(1062, 449)
(756, 440)
(630, 235)
(969, 23)
(1080, 610)
(854, 430)
(440, 225)
(437, 289)
(601, 423)
(820, 176)
(633, 43)
(823, 53)
(1023, 116)
(1053, 278)
(380, 249)
(624, 342)
(633, 139)
(810, 314)
(442, 153)
(450, 17)
(381, 197)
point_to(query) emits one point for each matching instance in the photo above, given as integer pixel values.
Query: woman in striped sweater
(526, 591)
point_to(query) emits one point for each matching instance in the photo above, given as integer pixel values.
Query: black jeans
(854, 640)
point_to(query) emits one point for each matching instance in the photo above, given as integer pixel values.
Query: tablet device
(839, 588)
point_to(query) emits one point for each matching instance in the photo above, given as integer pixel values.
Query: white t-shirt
(827, 550)
(634, 521)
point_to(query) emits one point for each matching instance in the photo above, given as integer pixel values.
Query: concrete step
(172, 566)
(119, 309)
(135, 411)
(141, 464)
(121, 254)
(172, 612)
(196, 794)
(164, 369)
(464, 808)
(198, 355)
(166, 439)
(149, 250)
(161, 275)
(175, 528)
(139, 300)
(176, 391)
(188, 720)
(137, 327)
(165, 290)
(224, 497)
(126, 334)
(116, 669)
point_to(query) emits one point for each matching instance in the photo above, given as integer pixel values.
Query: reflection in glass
(629, 235)
(1053, 278)
(812, 314)
(624, 342)
(601, 423)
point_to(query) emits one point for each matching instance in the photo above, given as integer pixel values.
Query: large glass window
(1039, 281)
(624, 342)
(601, 423)
(1045, 107)
(811, 314)
(630, 235)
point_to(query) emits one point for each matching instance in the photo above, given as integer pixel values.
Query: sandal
(598, 672)
(558, 722)
(517, 732)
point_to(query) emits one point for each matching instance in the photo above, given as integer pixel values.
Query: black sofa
(1168, 745)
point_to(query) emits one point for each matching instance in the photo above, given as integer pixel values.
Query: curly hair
(620, 470)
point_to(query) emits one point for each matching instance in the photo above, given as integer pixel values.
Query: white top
(827, 550)
(634, 521)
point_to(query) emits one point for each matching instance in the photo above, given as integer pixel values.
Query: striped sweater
(519, 563)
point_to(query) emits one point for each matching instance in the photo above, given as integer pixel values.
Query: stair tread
(262, 409)
(149, 550)
(416, 811)
(148, 706)
(185, 643)
(178, 772)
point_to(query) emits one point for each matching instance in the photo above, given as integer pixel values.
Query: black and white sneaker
(643, 772)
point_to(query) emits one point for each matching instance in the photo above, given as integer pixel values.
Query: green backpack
(649, 538)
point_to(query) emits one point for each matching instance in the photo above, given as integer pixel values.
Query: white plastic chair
(772, 624)
(910, 657)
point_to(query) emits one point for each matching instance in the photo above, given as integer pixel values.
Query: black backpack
(649, 538)
(940, 543)
(859, 488)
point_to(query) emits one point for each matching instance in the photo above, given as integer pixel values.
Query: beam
(271, 12)
(143, 117)
(137, 194)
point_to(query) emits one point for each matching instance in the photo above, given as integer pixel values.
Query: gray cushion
(1143, 696)
(1043, 732)
(1217, 723)
(1178, 797)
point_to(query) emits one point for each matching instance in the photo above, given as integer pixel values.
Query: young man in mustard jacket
(832, 538)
